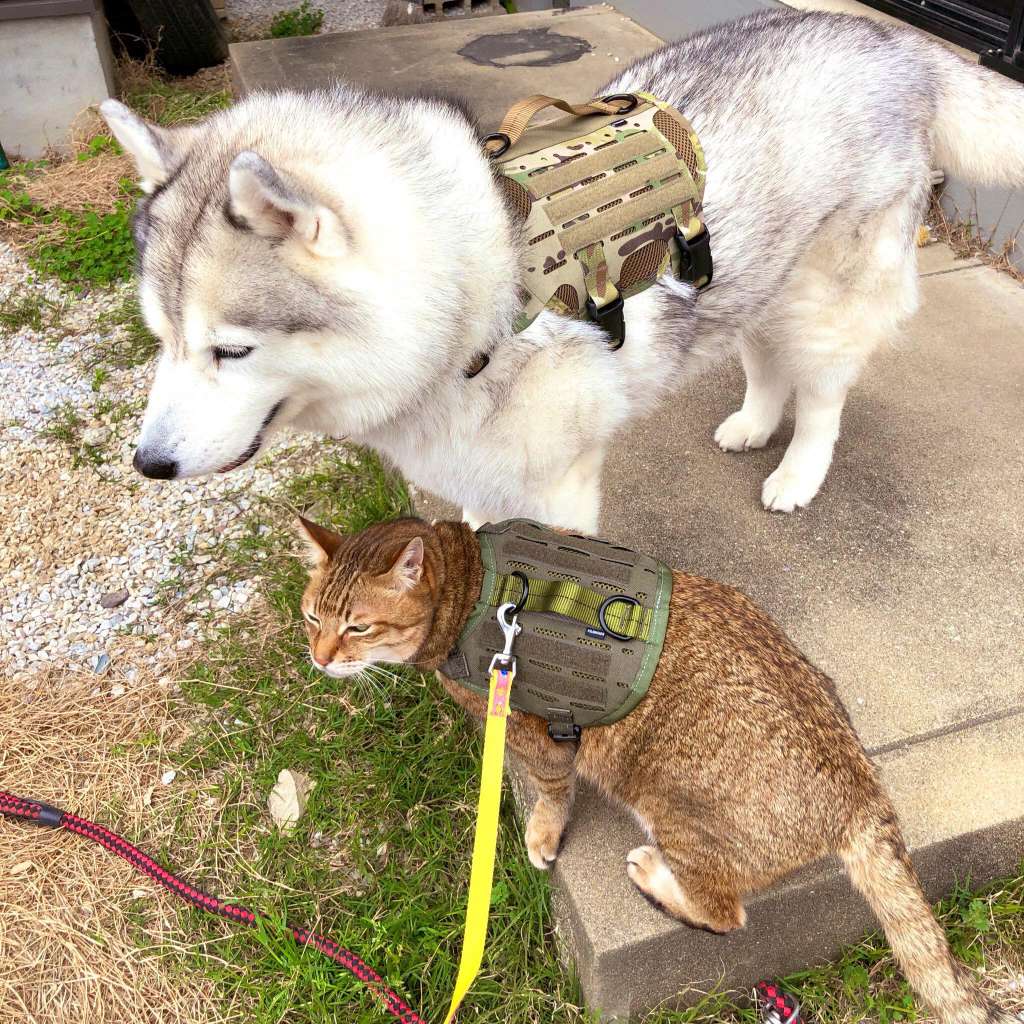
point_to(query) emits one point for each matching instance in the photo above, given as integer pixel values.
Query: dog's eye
(358, 629)
(231, 352)
(312, 619)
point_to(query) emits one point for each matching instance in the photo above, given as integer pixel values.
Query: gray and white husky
(337, 260)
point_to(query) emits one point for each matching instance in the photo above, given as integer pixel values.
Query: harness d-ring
(631, 101)
(604, 608)
(519, 605)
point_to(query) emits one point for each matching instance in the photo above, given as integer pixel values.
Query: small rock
(168, 777)
(288, 798)
(100, 663)
(95, 436)
(117, 690)
(114, 599)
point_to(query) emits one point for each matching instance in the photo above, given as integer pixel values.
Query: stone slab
(568, 54)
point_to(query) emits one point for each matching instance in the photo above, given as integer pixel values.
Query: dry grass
(78, 185)
(968, 241)
(72, 912)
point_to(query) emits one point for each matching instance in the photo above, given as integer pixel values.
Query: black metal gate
(992, 28)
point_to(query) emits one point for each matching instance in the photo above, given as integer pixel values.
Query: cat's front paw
(543, 836)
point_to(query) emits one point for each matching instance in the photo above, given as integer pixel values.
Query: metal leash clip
(505, 660)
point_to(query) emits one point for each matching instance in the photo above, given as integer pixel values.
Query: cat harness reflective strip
(593, 615)
(607, 200)
(481, 876)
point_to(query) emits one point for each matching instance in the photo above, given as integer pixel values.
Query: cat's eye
(358, 629)
(312, 619)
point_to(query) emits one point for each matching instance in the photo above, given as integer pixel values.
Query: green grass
(303, 20)
(380, 860)
(126, 342)
(30, 310)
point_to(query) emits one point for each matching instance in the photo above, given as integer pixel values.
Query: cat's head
(370, 596)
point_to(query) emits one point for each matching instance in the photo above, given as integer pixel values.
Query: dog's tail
(880, 867)
(978, 133)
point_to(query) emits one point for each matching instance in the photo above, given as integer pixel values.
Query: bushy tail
(880, 868)
(978, 133)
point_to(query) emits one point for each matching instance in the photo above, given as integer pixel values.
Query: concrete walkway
(904, 579)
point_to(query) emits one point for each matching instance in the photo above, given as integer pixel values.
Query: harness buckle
(695, 260)
(564, 732)
(610, 319)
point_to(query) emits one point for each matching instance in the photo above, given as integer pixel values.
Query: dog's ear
(320, 542)
(155, 150)
(263, 201)
(407, 569)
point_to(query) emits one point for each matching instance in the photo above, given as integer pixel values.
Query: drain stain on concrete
(529, 48)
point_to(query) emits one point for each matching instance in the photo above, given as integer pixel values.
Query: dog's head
(269, 291)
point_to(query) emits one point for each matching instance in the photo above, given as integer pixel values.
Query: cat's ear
(320, 542)
(408, 568)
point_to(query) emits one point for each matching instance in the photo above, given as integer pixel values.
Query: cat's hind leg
(702, 895)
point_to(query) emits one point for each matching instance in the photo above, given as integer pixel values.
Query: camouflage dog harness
(608, 200)
(593, 619)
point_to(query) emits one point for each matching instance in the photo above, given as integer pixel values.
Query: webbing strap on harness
(617, 614)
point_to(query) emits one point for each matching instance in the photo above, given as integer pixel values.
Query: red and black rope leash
(42, 814)
(777, 1007)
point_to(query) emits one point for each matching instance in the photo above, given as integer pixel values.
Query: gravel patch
(103, 572)
(250, 19)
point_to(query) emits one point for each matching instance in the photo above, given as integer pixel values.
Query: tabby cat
(735, 721)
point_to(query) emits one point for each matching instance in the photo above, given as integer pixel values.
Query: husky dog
(337, 260)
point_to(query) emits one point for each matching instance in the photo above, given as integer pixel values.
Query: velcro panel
(567, 559)
(612, 186)
(605, 225)
(612, 155)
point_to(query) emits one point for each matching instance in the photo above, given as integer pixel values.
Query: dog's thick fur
(739, 762)
(357, 244)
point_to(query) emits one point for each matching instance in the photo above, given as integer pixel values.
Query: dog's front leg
(550, 767)
(574, 502)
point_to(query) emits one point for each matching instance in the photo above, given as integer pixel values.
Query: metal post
(1010, 59)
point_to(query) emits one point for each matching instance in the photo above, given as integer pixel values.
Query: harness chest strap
(608, 200)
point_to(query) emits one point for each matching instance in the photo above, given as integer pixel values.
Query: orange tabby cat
(735, 721)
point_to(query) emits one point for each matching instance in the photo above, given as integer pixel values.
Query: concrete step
(491, 62)
(904, 580)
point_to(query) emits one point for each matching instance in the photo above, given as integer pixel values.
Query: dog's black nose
(156, 467)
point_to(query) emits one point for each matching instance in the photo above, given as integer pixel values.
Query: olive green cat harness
(593, 619)
(607, 200)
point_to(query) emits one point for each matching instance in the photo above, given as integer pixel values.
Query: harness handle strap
(522, 113)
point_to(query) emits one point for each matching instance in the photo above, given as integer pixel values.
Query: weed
(94, 247)
(99, 377)
(126, 340)
(97, 146)
(31, 310)
(297, 21)
(65, 426)
(169, 103)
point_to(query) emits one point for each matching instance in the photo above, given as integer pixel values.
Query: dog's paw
(740, 432)
(543, 837)
(786, 490)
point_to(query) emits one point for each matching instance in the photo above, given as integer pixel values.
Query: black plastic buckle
(563, 732)
(695, 258)
(610, 319)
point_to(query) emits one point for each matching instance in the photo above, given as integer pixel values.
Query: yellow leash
(481, 876)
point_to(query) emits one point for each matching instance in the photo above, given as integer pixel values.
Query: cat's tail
(880, 867)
